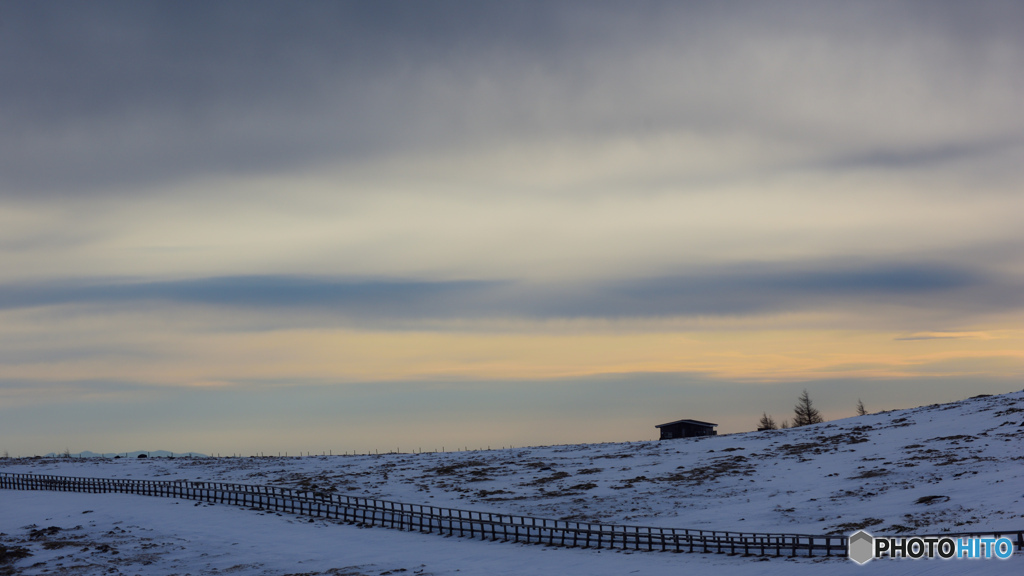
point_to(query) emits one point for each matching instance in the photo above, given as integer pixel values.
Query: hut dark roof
(694, 422)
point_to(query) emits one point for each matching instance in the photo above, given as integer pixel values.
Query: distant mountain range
(136, 454)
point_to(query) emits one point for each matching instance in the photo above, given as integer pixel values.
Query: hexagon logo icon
(860, 547)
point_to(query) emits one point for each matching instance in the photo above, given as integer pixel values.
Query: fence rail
(456, 522)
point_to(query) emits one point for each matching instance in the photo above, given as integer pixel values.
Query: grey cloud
(737, 290)
(118, 93)
(923, 156)
(366, 298)
(935, 292)
(111, 95)
(760, 288)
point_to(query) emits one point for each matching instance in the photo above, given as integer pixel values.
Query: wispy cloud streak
(732, 290)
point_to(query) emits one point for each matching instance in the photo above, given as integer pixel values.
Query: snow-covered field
(943, 468)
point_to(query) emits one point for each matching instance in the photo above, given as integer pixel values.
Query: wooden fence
(455, 522)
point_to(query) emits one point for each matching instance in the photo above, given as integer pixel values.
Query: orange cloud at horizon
(220, 359)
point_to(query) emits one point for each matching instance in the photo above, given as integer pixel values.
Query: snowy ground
(944, 468)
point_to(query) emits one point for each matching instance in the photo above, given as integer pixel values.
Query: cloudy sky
(266, 226)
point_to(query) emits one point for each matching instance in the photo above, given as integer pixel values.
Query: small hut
(686, 429)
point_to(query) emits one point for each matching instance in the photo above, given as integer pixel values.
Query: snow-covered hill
(941, 468)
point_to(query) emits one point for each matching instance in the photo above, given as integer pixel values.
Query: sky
(243, 227)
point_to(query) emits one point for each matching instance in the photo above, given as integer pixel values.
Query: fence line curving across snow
(456, 522)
